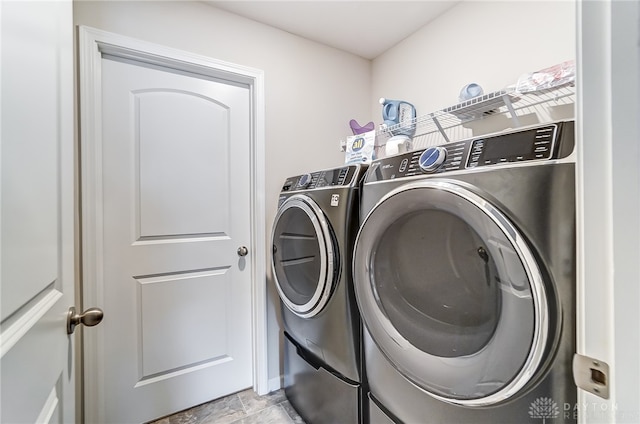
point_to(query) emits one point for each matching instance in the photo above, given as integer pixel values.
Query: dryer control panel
(537, 143)
(320, 179)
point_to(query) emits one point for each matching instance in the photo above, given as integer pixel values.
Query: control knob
(431, 159)
(304, 181)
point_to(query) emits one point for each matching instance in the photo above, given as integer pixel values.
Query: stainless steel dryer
(313, 236)
(464, 270)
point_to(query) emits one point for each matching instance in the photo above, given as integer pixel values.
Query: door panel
(188, 203)
(176, 207)
(29, 154)
(163, 327)
(37, 254)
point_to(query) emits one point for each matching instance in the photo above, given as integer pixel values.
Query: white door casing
(37, 267)
(129, 230)
(608, 106)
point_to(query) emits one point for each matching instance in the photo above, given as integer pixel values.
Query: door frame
(92, 43)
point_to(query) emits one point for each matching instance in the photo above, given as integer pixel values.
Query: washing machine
(464, 272)
(312, 240)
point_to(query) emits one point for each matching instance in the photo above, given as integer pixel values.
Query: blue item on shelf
(399, 117)
(470, 91)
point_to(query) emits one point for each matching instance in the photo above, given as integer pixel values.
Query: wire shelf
(491, 112)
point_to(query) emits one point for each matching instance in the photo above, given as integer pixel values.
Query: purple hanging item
(357, 129)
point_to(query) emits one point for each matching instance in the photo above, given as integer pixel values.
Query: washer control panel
(320, 179)
(537, 143)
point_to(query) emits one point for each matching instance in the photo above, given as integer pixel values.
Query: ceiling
(364, 28)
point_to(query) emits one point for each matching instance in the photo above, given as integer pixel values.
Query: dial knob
(304, 181)
(432, 158)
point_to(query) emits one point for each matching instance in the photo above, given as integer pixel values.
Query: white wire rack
(485, 114)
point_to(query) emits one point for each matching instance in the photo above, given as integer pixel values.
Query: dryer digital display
(532, 144)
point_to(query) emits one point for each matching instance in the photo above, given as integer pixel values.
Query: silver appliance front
(315, 391)
(312, 241)
(453, 295)
(465, 277)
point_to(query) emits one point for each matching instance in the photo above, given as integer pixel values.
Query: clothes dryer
(464, 271)
(312, 241)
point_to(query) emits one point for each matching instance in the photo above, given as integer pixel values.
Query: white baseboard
(275, 383)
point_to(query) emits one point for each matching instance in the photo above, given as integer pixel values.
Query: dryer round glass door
(451, 293)
(304, 263)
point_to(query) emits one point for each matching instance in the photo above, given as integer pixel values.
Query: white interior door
(37, 283)
(175, 202)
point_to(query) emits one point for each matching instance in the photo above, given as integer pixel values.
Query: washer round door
(451, 293)
(304, 262)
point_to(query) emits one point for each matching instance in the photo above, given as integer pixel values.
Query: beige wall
(491, 43)
(311, 91)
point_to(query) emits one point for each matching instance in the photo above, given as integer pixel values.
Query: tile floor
(240, 408)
